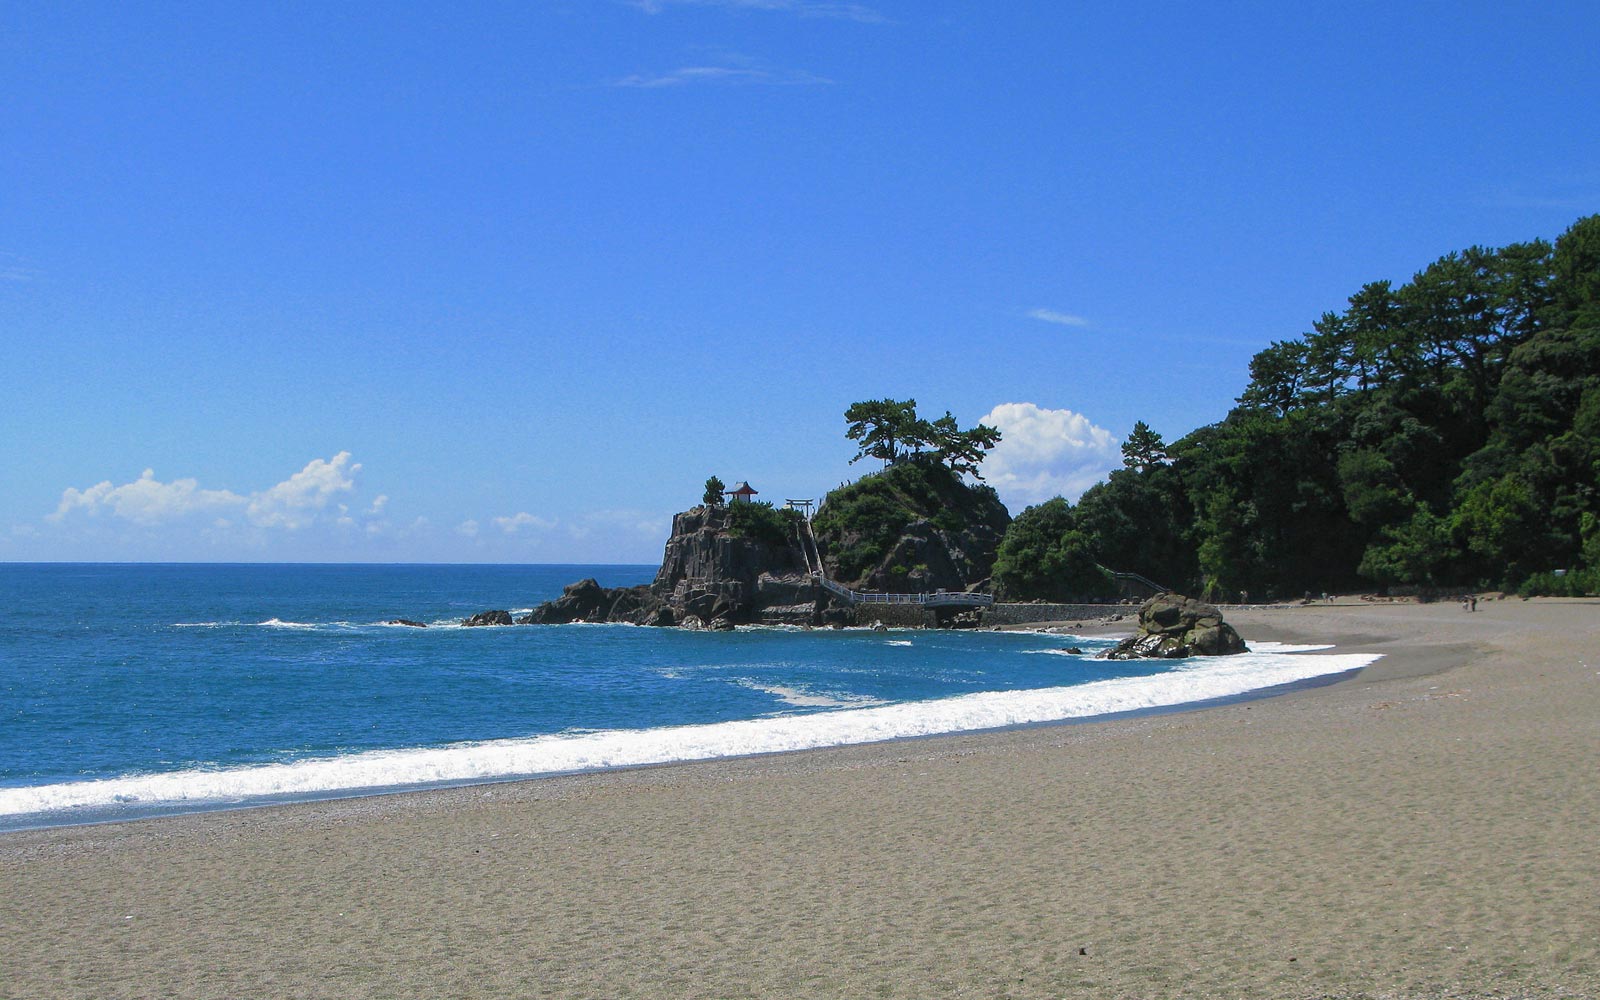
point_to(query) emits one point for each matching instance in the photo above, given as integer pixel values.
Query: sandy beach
(1427, 828)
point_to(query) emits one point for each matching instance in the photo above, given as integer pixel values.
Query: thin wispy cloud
(725, 75)
(522, 519)
(12, 269)
(1056, 317)
(799, 8)
(1576, 203)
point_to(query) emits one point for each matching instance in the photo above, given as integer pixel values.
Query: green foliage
(1144, 449)
(1573, 583)
(890, 430)
(1442, 432)
(1045, 556)
(860, 523)
(1416, 551)
(763, 522)
(714, 491)
(883, 426)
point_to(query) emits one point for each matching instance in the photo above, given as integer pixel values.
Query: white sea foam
(898, 642)
(1284, 647)
(280, 623)
(1191, 681)
(801, 697)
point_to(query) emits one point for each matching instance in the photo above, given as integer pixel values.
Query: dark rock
(723, 568)
(405, 621)
(488, 618)
(709, 572)
(1173, 626)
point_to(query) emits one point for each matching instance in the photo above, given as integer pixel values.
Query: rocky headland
(913, 528)
(723, 566)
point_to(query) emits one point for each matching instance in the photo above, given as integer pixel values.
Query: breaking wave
(372, 771)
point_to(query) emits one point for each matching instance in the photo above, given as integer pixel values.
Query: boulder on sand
(1174, 626)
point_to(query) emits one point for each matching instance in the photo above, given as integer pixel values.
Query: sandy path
(1428, 828)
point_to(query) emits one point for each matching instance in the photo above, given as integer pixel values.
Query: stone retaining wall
(893, 615)
(1023, 614)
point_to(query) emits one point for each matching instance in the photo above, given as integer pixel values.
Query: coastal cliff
(915, 527)
(722, 566)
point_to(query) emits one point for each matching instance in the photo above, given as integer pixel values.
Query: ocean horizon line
(290, 562)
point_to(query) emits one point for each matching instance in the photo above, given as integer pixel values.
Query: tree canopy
(891, 430)
(1440, 433)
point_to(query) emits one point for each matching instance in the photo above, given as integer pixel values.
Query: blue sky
(507, 282)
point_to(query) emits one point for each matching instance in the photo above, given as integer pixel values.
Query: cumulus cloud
(1056, 317)
(1045, 453)
(147, 501)
(294, 502)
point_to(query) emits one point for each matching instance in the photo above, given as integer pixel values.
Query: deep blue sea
(132, 689)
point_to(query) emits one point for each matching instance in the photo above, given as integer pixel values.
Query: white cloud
(468, 528)
(295, 502)
(721, 74)
(147, 501)
(12, 268)
(631, 526)
(522, 519)
(1046, 453)
(1056, 317)
(801, 8)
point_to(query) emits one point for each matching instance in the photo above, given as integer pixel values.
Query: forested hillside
(1443, 433)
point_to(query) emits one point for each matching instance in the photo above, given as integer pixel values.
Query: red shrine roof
(744, 489)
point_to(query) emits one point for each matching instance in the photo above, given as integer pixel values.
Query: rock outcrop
(1174, 626)
(915, 527)
(487, 618)
(722, 567)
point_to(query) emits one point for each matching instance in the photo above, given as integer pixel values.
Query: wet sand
(1427, 828)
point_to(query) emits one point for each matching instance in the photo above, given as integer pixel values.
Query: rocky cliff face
(913, 528)
(722, 567)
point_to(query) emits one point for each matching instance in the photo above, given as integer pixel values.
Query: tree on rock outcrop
(714, 491)
(890, 430)
(883, 426)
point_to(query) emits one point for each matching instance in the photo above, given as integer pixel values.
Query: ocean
(129, 690)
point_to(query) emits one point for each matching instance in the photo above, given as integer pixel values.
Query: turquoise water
(130, 687)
